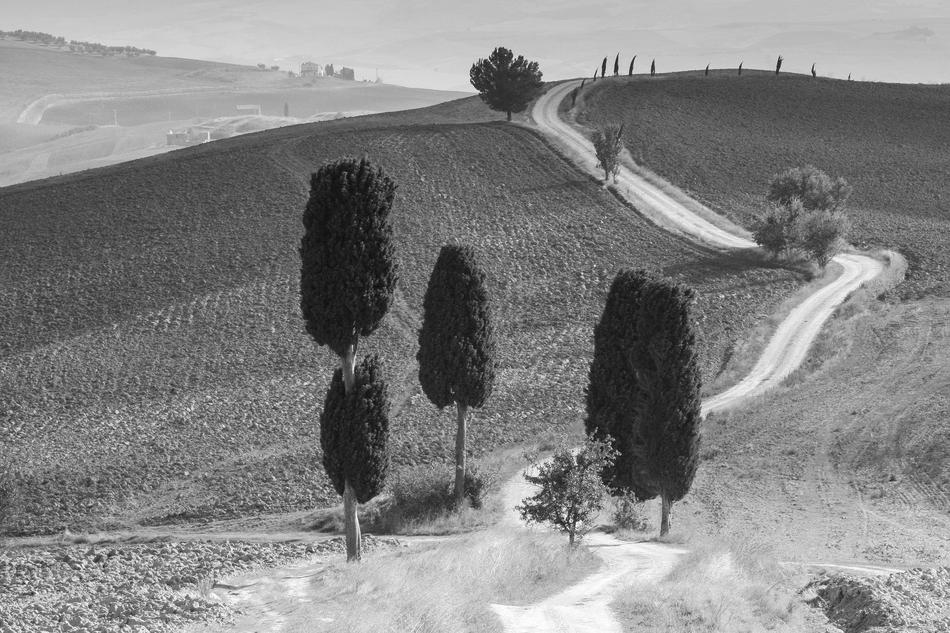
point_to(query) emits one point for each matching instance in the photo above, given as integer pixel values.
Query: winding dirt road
(584, 607)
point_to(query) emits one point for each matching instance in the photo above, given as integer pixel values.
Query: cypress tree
(740, 69)
(354, 431)
(706, 74)
(457, 347)
(778, 65)
(617, 65)
(814, 73)
(630, 70)
(644, 389)
(348, 274)
(653, 68)
(603, 68)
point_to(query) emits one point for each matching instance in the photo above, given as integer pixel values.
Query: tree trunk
(666, 515)
(509, 115)
(460, 457)
(348, 364)
(352, 525)
(351, 522)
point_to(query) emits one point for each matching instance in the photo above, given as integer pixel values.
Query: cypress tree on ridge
(630, 70)
(457, 346)
(617, 65)
(644, 389)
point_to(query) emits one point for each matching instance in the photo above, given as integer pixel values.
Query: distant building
(192, 136)
(309, 70)
(347, 73)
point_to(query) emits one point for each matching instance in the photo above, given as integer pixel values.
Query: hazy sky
(433, 43)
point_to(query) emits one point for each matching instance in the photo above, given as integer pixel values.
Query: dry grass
(447, 587)
(734, 587)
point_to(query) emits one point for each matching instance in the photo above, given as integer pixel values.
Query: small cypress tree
(608, 143)
(630, 70)
(740, 69)
(814, 73)
(603, 68)
(595, 76)
(778, 65)
(706, 74)
(457, 348)
(653, 68)
(617, 65)
(348, 274)
(644, 389)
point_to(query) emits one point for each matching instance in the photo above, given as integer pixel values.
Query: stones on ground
(153, 586)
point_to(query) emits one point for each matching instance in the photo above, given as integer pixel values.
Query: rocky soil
(915, 601)
(156, 586)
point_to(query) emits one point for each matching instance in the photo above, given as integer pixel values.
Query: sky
(431, 43)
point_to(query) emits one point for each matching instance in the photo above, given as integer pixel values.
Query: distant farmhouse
(312, 70)
(309, 70)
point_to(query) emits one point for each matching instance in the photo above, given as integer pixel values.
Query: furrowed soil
(722, 137)
(153, 364)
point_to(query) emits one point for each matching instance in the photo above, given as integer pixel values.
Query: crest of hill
(722, 137)
(151, 311)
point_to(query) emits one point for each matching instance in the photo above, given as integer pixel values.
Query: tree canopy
(506, 83)
(348, 266)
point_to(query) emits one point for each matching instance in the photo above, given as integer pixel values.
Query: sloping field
(153, 364)
(721, 138)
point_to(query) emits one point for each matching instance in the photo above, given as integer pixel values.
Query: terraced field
(721, 138)
(153, 364)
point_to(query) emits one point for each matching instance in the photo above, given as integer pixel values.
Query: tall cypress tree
(603, 68)
(457, 347)
(644, 390)
(653, 68)
(347, 279)
(630, 70)
(617, 65)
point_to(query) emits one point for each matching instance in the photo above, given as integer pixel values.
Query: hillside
(62, 112)
(857, 439)
(721, 138)
(153, 364)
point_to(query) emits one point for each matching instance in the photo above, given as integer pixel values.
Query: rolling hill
(153, 364)
(62, 112)
(857, 440)
(721, 138)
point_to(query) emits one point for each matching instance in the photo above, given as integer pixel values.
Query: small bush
(426, 491)
(629, 514)
(608, 143)
(813, 187)
(821, 234)
(776, 230)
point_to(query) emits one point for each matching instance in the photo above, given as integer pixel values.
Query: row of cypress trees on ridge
(643, 393)
(603, 67)
(347, 280)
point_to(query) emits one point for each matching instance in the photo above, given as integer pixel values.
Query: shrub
(608, 142)
(571, 489)
(629, 514)
(425, 491)
(813, 187)
(822, 233)
(776, 230)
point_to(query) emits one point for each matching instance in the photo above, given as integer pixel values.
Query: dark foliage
(354, 431)
(740, 68)
(457, 348)
(706, 74)
(814, 73)
(778, 64)
(617, 65)
(348, 267)
(630, 70)
(644, 386)
(653, 68)
(603, 68)
(504, 82)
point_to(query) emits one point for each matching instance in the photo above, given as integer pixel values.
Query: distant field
(722, 137)
(153, 364)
